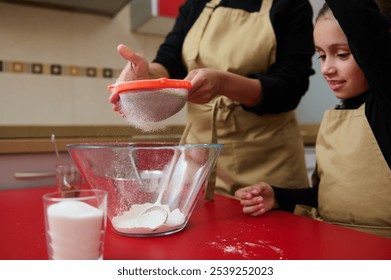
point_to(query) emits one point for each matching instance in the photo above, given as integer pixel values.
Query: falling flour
(75, 230)
(130, 222)
(147, 109)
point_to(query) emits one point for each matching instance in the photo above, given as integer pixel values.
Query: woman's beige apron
(358, 197)
(256, 148)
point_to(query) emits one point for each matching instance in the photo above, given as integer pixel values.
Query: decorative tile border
(57, 69)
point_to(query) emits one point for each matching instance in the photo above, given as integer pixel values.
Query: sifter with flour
(152, 187)
(145, 103)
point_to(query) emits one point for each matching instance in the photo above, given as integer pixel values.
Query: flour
(235, 245)
(75, 230)
(146, 109)
(130, 222)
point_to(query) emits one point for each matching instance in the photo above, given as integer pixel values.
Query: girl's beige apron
(256, 148)
(359, 198)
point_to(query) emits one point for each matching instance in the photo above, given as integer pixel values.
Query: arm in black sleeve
(287, 80)
(170, 52)
(287, 199)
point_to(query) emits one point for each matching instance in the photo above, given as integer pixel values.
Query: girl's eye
(343, 55)
(322, 56)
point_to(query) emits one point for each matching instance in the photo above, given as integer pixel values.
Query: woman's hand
(256, 199)
(205, 85)
(137, 68)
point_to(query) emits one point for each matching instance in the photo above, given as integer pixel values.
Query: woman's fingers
(135, 59)
(125, 52)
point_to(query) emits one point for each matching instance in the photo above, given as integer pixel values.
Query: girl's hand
(256, 199)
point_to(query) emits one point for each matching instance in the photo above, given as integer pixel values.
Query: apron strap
(265, 7)
(192, 54)
(203, 19)
(211, 184)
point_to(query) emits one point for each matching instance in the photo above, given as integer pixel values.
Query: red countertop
(216, 230)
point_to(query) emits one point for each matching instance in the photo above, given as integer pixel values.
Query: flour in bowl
(130, 222)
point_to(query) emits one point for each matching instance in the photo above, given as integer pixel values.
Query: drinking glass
(75, 223)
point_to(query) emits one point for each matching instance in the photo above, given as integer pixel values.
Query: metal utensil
(156, 215)
(53, 139)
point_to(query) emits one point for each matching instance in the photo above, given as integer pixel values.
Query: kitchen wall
(55, 67)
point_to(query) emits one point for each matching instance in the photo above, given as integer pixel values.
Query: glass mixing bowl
(152, 187)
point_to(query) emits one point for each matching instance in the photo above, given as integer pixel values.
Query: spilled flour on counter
(242, 243)
(246, 250)
(131, 223)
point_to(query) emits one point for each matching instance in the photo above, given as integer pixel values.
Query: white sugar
(75, 230)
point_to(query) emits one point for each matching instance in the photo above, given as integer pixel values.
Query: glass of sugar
(75, 223)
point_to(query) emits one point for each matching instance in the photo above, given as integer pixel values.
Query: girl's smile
(335, 85)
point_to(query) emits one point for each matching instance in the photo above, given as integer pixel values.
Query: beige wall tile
(50, 37)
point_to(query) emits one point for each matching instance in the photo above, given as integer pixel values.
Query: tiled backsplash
(56, 69)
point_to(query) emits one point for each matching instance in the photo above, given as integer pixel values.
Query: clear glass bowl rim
(132, 145)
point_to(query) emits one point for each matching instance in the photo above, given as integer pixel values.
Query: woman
(352, 181)
(249, 63)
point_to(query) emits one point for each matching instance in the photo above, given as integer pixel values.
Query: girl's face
(337, 64)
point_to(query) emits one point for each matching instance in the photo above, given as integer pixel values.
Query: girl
(352, 181)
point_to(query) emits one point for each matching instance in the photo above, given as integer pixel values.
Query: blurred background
(57, 58)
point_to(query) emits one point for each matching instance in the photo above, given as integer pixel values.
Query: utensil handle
(185, 133)
(33, 175)
(173, 162)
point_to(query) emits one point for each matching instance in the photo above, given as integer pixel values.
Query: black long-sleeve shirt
(287, 80)
(369, 39)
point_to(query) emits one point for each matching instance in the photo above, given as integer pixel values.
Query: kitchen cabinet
(155, 17)
(98, 7)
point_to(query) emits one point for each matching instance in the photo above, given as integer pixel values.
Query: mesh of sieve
(146, 103)
(145, 109)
